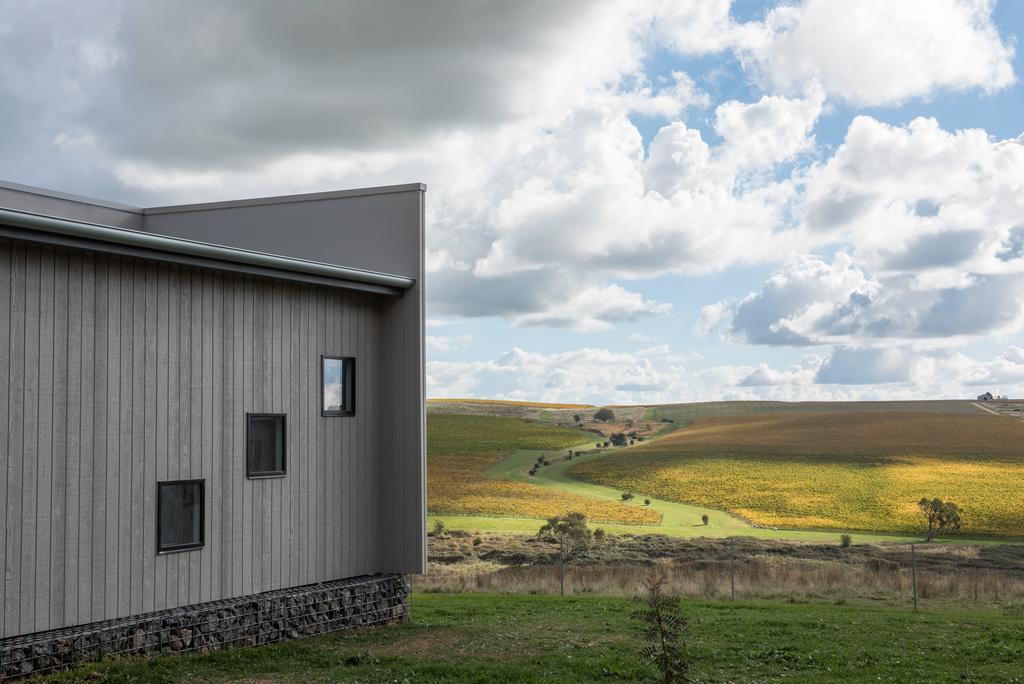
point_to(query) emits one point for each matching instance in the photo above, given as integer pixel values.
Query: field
(515, 638)
(837, 470)
(461, 449)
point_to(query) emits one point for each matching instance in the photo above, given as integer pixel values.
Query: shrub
(439, 529)
(599, 534)
(626, 496)
(477, 541)
(845, 540)
(618, 439)
(705, 519)
(662, 625)
(647, 502)
(604, 415)
(598, 445)
(607, 444)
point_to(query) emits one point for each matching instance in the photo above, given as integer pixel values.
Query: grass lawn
(503, 638)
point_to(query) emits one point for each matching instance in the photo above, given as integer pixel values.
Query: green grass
(503, 638)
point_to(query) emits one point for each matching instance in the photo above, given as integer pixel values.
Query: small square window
(179, 515)
(265, 445)
(338, 380)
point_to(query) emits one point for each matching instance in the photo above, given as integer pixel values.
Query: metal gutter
(163, 243)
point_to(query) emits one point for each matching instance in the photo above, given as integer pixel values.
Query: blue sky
(628, 201)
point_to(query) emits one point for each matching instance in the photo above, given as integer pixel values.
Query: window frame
(348, 379)
(267, 474)
(162, 550)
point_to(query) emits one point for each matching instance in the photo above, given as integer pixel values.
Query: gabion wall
(246, 621)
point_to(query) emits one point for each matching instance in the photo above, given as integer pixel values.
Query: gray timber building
(212, 423)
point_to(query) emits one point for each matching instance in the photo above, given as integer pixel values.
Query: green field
(803, 471)
(514, 638)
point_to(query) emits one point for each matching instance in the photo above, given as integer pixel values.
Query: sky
(628, 202)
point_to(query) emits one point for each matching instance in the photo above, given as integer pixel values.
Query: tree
(618, 439)
(940, 516)
(663, 625)
(577, 418)
(604, 415)
(626, 496)
(647, 502)
(572, 534)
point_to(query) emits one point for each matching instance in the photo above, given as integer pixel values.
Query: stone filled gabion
(245, 621)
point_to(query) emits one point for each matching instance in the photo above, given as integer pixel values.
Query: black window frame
(348, 380)
(192, 546)
(267, 474)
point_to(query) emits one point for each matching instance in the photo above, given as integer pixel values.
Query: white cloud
(600, 376)
(770, 131)
(441, 344)
(876, 52)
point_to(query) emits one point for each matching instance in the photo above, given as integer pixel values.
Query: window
(265, 445)
(338, 379)
(179, 515)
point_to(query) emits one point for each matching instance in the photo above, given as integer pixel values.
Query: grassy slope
(469, 637)
(678, 519)
(833, 470)
(460, 449)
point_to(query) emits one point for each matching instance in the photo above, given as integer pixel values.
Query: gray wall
(380, 229)
(121, 372)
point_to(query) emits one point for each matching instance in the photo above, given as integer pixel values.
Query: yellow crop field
(851, 471)
(460, 449)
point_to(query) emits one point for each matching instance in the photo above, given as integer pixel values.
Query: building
(211, 420)
(987, 396)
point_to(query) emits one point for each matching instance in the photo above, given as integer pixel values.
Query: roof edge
(79, 199)
(176, 245)
(287, 199)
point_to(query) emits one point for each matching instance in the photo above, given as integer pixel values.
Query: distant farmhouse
(212, 421)
(987, 396)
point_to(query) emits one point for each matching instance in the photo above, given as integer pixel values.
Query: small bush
(705, 519)
(647, 502)
(439, 529)
(845, 540)
(599, 534)
(477, 541)
(626, 496)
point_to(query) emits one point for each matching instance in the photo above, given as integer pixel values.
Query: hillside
(837, 470)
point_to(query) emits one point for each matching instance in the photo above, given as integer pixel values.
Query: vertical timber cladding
(121, 372)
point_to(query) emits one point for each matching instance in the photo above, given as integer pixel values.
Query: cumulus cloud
(869, 366)
(601, 376)
(874, 52)
(814, 302)
(545, 202)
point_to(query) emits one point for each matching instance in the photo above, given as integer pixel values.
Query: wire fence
(915, 576)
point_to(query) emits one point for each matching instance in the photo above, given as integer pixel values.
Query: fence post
(913, 573)
(732, 557)
(561, 566)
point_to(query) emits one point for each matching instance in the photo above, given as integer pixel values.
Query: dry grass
(758, 577)
(461, 448)
(983, 577)
(861, 471)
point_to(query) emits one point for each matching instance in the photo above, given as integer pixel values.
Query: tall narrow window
(265, 440)
(179, 515)
(338, 380)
